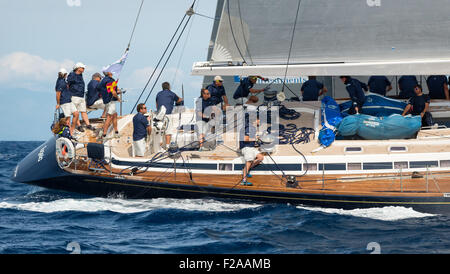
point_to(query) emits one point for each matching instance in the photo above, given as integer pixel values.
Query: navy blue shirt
(379, 84)
(407, 84)
(418, 103)
(435, 85)
(311, 90)
(203, 104)
(166, 98)
(101, 87)
(243, 89)
(61, 85)
(140, 124)
(76, 84)
(216, 93)
(355, 91)
(92, 94)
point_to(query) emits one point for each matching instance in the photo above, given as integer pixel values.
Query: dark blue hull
(46, 173)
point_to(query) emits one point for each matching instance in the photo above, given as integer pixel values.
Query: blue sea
(36, 220)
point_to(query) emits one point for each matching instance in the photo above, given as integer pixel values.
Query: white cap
(62, 70)
(218, 78)
(79, 65)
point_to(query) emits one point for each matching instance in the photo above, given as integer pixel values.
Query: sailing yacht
(281, 41)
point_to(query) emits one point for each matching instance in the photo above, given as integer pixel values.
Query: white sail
(332, 37)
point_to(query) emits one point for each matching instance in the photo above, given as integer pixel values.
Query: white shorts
(110, 108)
(249, 153)
(98, 104)
(68, 109)
(203, 127)
(80, 103)
(139, 147)
(174, 123)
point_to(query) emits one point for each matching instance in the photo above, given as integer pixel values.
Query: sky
(40, 37)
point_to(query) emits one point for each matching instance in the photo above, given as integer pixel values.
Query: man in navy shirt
(141, 127)
(438, 87)
(108, 92)
(76, 86)
(406, 84)
(245, 88)
(379, 84)
(63, 99)
(312, 89)
(356, 93)
(168, 98)
(93, 98)
(419, 105)
(217, 92)
(205, 109)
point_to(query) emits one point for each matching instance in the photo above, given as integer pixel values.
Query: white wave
(125, 206)
(388, 213)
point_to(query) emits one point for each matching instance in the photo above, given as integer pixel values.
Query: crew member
(438, 87)
(407, 84)
(63, 99)
(108, 91)
(355, 92)
(247, 143)
(245, 88)
(419, 105)
(76, 87)
(379, 85)
(141, 127)
(217, 92)
(312, 89)
(93, 98)
(168, 98)
(62, 128)
(204, 110)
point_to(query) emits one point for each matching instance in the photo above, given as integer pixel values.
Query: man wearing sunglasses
(141, 128)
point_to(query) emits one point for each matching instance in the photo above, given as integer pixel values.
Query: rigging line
(135, 23)
(232, 32)
(159, 62)
(292, 42)
(168, 58)
(243, 33)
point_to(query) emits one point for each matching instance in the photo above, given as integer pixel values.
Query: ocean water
(37, 220)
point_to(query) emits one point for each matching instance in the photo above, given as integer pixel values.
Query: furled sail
(333, 36)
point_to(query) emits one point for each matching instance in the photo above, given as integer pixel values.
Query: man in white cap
(63, 98)
(217, 92)
(76, 87)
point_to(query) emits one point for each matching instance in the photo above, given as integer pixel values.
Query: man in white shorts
(141, 129)
(93, 99)
(76, 87)
(63, 99)
(108, 90)
(252, 155)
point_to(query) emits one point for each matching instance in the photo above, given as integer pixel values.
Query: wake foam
(389, 213)
(125, 206)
